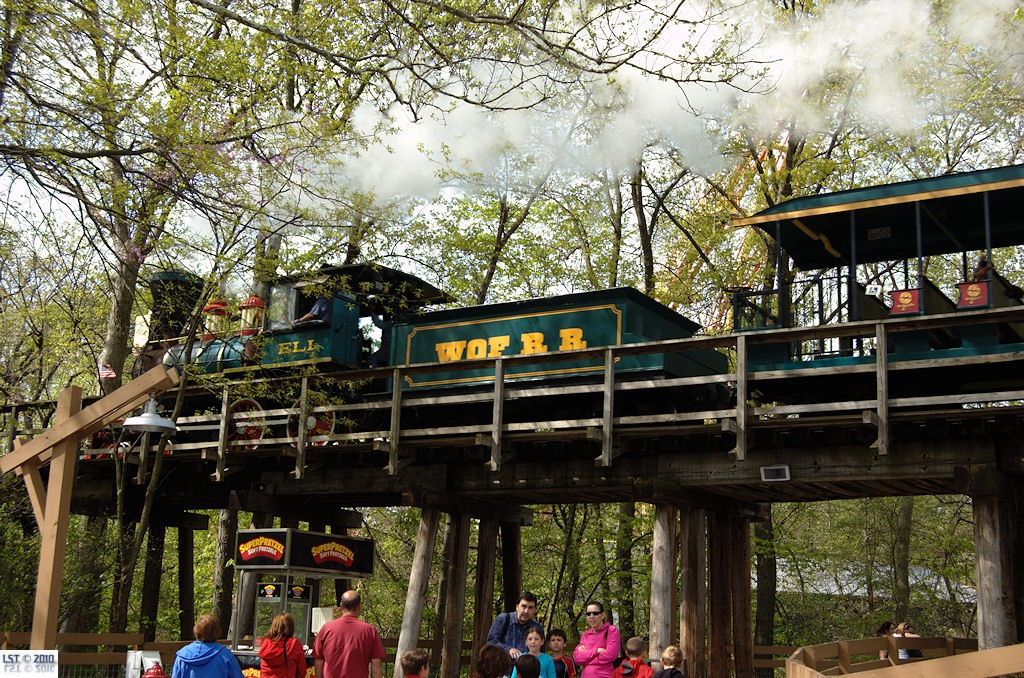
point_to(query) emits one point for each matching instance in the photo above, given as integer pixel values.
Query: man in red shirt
(344, 647)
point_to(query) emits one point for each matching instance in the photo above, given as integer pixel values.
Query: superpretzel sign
(304, 551)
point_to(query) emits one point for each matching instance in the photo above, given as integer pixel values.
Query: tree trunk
(901, 558)
(645, 230)
(223, 573)
(765, 566)
(624, 569)
(83, 603)
(119, 321)
(151, 582)
(444, 583)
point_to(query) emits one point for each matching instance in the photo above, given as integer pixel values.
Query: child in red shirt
(634, 666)
(416, 664)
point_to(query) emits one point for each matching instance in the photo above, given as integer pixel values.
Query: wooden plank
(455, 597)
(693, 596)
(53, 531)
(91, 658)
(86, 422)
(663, 555)
(742, 623)
(300, 443)
(993, 662)
(34, 485)
(223, 428)
(991, 558)
(719, 594)
(882, 388)
(419, 578)
(608, 410)
(396, 422)
(497, 415)
(741, 398)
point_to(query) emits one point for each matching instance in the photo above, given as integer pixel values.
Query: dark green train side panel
(586, 320)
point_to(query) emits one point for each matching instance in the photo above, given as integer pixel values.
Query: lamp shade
(150, 421)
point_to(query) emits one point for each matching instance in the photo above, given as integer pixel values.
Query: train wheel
(249, 428)
(319, 425)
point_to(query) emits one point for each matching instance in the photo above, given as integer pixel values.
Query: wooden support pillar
(720, 579)
(416, 596)
(993, 546)
(455, 596)
(742, 622)
(396, 421)
(151, 581)
(483, 604)
(741, 398)
(882, 388)
(54, 506)
(693, 597)
(511, 564)
(186, 582)
(663, 558)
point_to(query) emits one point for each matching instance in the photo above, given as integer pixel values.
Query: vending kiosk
(288, 555)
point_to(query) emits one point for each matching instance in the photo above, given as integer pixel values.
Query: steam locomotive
(325, 321)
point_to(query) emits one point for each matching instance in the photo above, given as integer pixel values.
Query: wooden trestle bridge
(709, 452)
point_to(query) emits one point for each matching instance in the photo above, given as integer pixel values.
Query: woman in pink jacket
(598, 647)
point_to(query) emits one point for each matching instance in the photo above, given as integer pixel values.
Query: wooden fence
(943, 657)
(773, 656)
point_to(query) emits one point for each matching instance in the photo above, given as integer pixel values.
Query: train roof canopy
(815, 230)
(374, 285)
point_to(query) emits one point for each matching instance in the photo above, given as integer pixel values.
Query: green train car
(573, 321)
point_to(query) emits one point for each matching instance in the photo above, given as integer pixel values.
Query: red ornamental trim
(332, 551)
(261, 547)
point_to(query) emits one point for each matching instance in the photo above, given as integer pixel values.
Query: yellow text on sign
(492, 347)
(289, 347)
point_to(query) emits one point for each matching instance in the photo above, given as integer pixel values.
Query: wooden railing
(17, 640)
(945, 658)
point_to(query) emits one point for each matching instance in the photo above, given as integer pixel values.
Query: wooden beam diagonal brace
(91, 419)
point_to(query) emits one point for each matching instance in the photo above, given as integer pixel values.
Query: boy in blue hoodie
(205, 657)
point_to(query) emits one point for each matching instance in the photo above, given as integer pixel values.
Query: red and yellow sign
(261, 547)
(332, 551)
(905, 302)
(973, 295)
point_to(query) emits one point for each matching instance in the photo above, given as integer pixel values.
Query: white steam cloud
(885, 46)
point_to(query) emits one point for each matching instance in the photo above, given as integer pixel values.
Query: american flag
(107, 372)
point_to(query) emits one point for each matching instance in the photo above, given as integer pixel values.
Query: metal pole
(988, 230)
(852, 283)
(920, 245)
